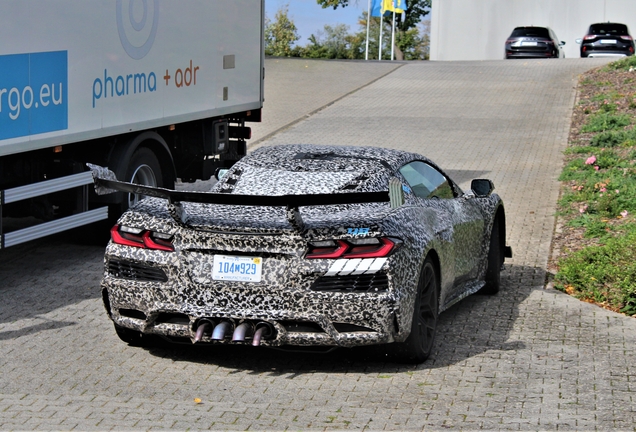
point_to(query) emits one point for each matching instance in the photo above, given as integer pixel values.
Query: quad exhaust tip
(220, 330)
(204, 328)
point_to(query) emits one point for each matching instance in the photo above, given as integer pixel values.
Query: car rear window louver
(134, 271)
(352, 283)
(356, 182)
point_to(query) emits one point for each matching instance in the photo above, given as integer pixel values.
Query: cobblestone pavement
(527, 359)
(299, 87)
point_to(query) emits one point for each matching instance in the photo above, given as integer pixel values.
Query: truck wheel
(144, 169)
(419, 344)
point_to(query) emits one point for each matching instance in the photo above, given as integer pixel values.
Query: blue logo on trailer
(138, 29)
(33, 93)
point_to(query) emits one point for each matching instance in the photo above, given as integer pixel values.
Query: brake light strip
(344, 267)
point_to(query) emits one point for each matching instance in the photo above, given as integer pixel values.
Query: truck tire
(144, 169)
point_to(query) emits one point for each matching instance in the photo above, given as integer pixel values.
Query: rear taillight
(144, 239)
(589, 37)
(372, 247)
(626, 37)
(327, 249)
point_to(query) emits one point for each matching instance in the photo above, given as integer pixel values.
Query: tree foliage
(280, 34)
(333, 42)
(337, 42)
(415, 12)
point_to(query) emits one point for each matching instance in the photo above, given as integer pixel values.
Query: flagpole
(366, 51)
(380, 41)
(393, 32)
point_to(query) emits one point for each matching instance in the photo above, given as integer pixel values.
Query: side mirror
(562, 43)
(482, 187)
(579, 40)
(219, 173)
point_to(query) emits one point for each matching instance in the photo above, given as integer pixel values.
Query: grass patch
(604, 274)
(621, 65)
(598, 200)
(610, 96)
(579, 150)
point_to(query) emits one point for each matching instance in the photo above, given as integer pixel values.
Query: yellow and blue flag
(398, 6)
(376, 8)
(385, 7)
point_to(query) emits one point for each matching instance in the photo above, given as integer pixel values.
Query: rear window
(608, 29)
(541, 32)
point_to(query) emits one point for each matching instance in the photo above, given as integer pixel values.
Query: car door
(459, 220)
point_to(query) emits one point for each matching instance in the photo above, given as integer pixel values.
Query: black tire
(133, 337)
(493, 272)
(419, 344)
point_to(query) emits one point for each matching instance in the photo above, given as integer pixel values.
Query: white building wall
(477, 29)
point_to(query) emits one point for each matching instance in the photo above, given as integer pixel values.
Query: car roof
(538, 30)
(293, 155)
(622, 28)
(307, 169)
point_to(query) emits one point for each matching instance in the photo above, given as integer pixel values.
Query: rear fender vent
(351, 328)
(374, 282)
(172, 318)
(301, 327)
(135, 271)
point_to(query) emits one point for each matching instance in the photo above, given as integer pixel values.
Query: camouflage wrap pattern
(455, 231)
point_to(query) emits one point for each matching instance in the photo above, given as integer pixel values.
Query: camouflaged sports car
(307, 246)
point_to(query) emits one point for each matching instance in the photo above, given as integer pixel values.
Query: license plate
(237, 268)
(608, 41)
(528, 44)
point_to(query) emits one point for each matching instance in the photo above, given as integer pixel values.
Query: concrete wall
(477, 29)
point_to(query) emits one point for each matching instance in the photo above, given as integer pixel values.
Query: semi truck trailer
(156, 90)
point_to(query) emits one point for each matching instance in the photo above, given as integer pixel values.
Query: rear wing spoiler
(106, 182)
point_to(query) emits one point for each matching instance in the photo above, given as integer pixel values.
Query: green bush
(580, 150)
(607, 159)
(608, 107)
(594, 226)
(604, 121)
(611, 138)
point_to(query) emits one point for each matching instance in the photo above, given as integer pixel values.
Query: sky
(310, 17)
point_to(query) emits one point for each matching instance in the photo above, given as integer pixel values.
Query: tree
(333, 42)
(406, 35)
(280, 34)
(411, 44)
(417, 9)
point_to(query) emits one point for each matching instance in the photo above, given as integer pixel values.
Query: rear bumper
(598, 54)
(528, 54)
(298, 315)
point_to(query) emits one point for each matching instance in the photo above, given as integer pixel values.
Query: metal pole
(393, 32)
(380, 41)
(366, 51)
